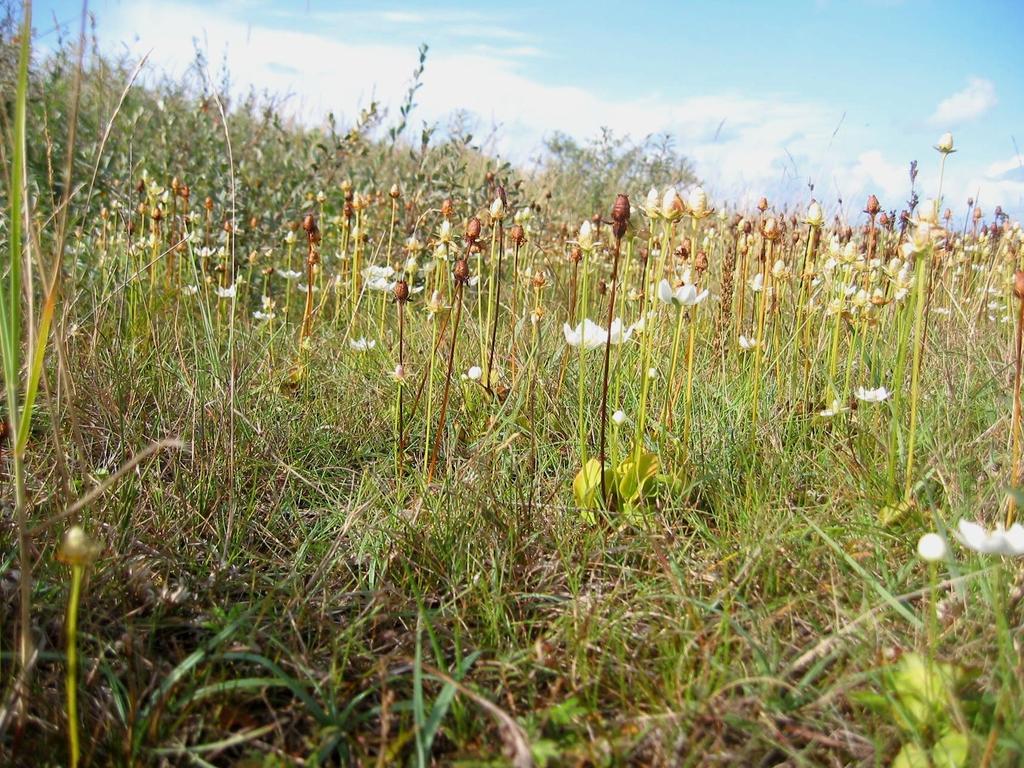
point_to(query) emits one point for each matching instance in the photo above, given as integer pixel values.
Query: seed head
(461, 271)
(473, 230)
(184, 192)
(208, 203)
(518, 234)
(762, 204)
(620, 216)
(873, 207)
(395, 192)
(401, 291)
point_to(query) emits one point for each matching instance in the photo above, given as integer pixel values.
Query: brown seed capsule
(682, 252)
(395, 192)
(762, 204)
(502, 196)
(447, 208)
(140, 187)
(489, 177)
(1018, 284)
(602, 287)
(253, 222)
(175, 185)
(185, 192)
(518, 234)
(401, 291)
(884, 220)
(348, 210)
(748, 226)
(158, 213)
(620, 216)
(770, 228)
(701, 264)
(309, 223)
(473, 230)
(947, 216)
(461, 271)
(978, 214)
(576, 254)
(873, 206)
(208, 203)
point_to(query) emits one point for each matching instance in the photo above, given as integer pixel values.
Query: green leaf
(911, 756)
(586, 487)
(951, 750)
(636, 476)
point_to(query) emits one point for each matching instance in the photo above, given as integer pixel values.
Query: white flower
(651, 207)
(872, 395)
(374, 271)
(591, 335)
(475, 373)
(756, 283)
(748, 343)
(932, 547)
(190, 290)
(652, 373)
(362, 344)
(497, 209)
(226, 293)
(399, 373)
(289, 274)
(619, 418)
(671, 205)
(945, 143)
(290, 237)
(815, 215)
(999, 541)
(683, 296)
(833, 410)
(444, 232)
(262, 316)
(585, 239)
(699, 203)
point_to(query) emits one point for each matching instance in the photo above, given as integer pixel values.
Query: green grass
(269, 593)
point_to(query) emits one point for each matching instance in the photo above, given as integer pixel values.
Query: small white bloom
(226, 293)
(289, 274)
(362, 344)
(748, 343)
(619, 418)
(815, 215)
(497, 210)
(652, 373)
(945, 143)
(190, 290)
(475, 373)
(1000, 541)
(872, 395)
(683, 296)
(756, 283)
(932, 547)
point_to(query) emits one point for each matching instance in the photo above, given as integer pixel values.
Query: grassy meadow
(354, 445)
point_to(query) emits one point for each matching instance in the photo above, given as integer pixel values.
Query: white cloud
(742, 145)
(972, 102)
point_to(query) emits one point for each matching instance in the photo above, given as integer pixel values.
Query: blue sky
(763, 96)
